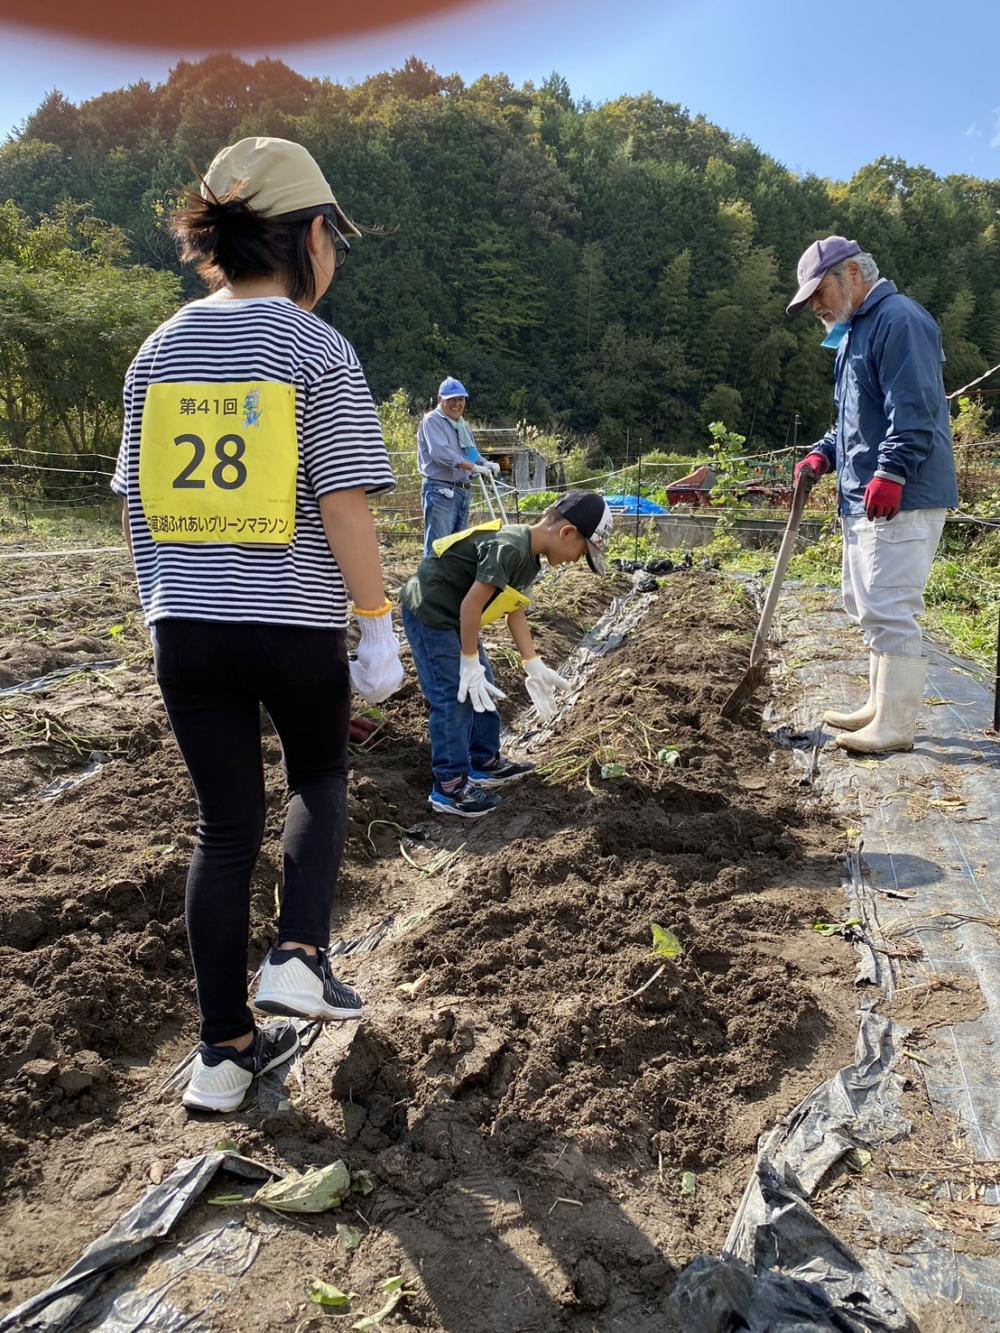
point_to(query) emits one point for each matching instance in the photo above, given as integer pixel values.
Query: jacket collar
(877, 294)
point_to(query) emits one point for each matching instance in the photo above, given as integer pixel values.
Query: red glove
(882, 498)
(816, 463)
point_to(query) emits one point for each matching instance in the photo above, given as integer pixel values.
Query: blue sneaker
(469, 801)
(502, 772)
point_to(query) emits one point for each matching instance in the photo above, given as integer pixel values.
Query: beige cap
(276, 176)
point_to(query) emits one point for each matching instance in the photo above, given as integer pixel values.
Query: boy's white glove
(473, 685)
(543, 684)
(378, 672)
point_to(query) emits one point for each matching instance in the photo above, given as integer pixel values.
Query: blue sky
(823, 88)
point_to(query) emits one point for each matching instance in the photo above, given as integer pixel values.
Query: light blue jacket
(441, 445)
(892, 416)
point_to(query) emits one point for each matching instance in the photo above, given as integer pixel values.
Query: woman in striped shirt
(249, 449)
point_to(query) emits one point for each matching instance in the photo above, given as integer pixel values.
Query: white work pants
(885, 568)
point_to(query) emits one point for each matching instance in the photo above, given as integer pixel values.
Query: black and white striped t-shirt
(221, 340)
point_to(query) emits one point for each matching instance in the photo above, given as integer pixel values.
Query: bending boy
(475, 578)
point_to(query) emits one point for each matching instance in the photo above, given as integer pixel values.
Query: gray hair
(866, 266)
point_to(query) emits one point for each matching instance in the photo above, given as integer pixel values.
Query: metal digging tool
(754, 674)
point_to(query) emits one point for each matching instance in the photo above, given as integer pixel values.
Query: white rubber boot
(863, 715)
(898, 692)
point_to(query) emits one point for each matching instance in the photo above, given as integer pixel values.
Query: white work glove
(378, 672)
(473, 685)
(493, 467)
(543, 684)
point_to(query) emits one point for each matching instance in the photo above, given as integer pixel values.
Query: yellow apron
(507, 600)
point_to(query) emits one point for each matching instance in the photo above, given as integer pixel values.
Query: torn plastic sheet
(224, 1253)
(781, 1267)
(60, 786)
(931, 873)
(44, 682)
(134, 1233)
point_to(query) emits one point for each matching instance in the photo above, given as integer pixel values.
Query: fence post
(996, 679)
(638, 496)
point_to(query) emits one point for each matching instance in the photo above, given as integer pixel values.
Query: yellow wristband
(374, 615)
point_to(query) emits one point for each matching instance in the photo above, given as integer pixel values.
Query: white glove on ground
(543, 684)
(472, 684)
(378, 672)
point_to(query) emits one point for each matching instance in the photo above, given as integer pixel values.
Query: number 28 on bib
(218, 462)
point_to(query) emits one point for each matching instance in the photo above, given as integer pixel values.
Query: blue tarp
(626, 504)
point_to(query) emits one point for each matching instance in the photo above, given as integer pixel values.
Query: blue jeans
(460, 737)
(446, 510)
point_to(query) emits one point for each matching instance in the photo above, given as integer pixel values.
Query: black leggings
(213, 678)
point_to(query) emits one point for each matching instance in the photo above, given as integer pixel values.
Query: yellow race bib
(218, 463)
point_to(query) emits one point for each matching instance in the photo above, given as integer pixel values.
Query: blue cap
(451, 388)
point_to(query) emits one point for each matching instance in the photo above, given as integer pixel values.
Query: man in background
(448, 459)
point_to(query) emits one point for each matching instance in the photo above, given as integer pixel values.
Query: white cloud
(995, 141)
(974, 132)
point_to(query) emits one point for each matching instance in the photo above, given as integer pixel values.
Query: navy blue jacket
(892, 416)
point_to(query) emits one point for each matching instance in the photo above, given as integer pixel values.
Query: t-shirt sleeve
(342, 444)
(119, 481)
(497, 564)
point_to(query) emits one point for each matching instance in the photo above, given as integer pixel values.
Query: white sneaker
(295, 983)
(221, 1075)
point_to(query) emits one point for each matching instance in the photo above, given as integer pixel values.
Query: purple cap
(816, 263)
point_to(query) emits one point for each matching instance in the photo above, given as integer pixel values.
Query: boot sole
(302, 1006)
(874, 749)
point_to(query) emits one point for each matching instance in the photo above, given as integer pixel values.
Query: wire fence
(38, 482)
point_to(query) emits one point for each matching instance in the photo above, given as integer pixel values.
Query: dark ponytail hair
(226, 241)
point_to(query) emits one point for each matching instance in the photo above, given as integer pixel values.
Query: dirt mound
(529, 1101)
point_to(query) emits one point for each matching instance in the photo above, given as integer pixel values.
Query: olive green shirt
(502, 559)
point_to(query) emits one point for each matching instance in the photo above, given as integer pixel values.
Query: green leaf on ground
(349, 1237)
(689, 1183)
(837, 927)
(362, 1182)
(324, 1293)
(613, 771)
(312, 1191)
(394, 1292)
(665, 942)
(670, 756)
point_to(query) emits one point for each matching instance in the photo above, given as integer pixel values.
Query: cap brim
(595, 559)
(344, 223)
(803, 294)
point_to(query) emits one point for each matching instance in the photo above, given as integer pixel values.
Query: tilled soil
(556, 1118)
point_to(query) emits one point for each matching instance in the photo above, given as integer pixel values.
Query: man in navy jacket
(891, 448)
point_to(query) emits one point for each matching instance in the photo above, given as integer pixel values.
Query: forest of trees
(619, 269)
